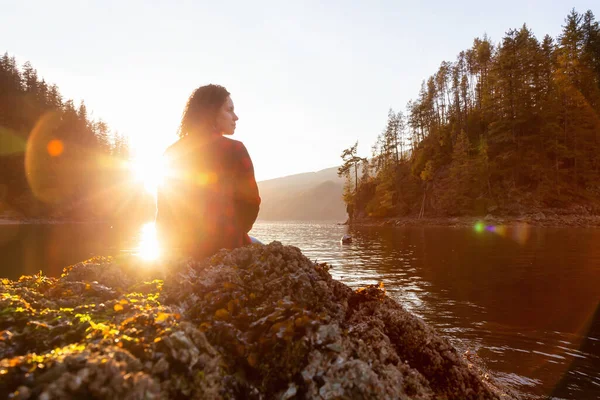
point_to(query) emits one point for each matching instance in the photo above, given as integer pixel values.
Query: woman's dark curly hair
(201, 109)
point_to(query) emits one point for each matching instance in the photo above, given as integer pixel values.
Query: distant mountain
(307, 196)
(302, 180)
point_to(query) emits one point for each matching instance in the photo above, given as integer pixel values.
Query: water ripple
(503, 300)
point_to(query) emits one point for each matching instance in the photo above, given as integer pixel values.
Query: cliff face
(257, 322)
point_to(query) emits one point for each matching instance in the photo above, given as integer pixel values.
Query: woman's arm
(247, 196)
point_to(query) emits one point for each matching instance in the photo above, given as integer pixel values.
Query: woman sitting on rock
(209, 199)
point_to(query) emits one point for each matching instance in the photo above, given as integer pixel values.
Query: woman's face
(225, 120)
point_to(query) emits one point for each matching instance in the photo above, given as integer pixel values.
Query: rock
(290, 393)
(161, 366)
(539, 216)
(255, 322)
(22, 393)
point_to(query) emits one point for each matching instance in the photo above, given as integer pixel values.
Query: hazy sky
(308, 78)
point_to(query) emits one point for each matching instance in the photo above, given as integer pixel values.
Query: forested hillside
(507, 127)
(311, 196)
(56, 161)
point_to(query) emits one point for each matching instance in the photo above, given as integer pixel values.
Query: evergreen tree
(502, 127)
(350, 160)
(54, 159)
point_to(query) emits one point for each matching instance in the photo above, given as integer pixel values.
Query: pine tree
(62, 153)
(350, 160)
(515, 122)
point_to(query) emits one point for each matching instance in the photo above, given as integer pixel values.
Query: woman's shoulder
(230, 141)
(176, 147)
(217, 146)
(232, 144)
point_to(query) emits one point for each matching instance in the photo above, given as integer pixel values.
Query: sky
(308, 78)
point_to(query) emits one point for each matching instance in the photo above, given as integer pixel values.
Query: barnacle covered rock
(257, 322)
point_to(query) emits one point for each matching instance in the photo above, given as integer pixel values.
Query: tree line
(55, 160)
(504, 128)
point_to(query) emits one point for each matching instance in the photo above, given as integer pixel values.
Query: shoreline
(538, 219)
(47, 221)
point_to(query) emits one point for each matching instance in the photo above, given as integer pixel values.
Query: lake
(524, 300)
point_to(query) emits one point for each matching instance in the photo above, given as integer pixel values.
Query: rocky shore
(260, 322)
(545, 218)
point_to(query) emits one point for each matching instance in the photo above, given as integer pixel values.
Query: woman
(209, 199)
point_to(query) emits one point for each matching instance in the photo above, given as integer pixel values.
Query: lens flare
(55, 147)
(10, 142)
(479, 227)
(52, 179)
(501, 230)
(521, 233)
(148, 248)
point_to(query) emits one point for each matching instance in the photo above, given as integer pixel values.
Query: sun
(148, 170)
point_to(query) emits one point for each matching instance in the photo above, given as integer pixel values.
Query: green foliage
(427, 174)
(503, 127)
(55, 161)
(383, 202)
(351, 163)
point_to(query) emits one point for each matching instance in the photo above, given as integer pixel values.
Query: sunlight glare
(148, 248)
(150, 171)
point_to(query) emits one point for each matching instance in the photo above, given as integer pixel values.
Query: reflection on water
(525, 300)
(148, 246)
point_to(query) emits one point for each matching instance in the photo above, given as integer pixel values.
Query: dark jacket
(209, 198)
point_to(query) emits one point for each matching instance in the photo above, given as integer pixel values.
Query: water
(524, 300)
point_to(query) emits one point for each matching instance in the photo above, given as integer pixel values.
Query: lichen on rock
(258, 322)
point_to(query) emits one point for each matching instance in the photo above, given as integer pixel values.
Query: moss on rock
(257, 322)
